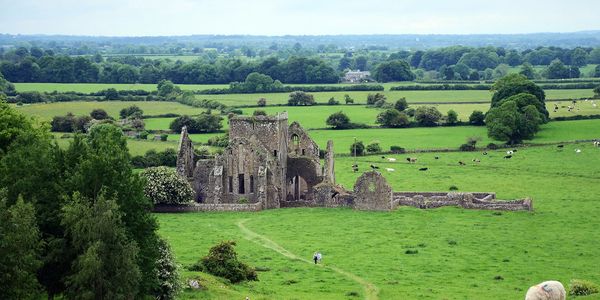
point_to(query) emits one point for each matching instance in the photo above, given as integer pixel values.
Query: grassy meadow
(462, 254)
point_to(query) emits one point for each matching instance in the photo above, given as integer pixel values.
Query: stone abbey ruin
(269, 164)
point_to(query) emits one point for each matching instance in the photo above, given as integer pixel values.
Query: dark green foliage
(203, 123)
(477, 118)
(20, 248)
(397, 149)
(394, 70)
(222, 261)
(492, 146)
(451, 117)
(357, 148)
(300, 98)
(557, 70)
(332, 101)
(512, 124)
(165, 186)
(374, 98)
(579, 287)
(152, 158)
(470, 145)
(349, 100)
(262, 102)
(597, 91)
(105, 266)
(427, 115)
(32, 97)
(401, 104)
(596, 71)
(256, 83)
(527, 71)
(514, 84)
(392, 118)
(99, 114)
(221, 141)
(5, 86)
(70, 123)
(373, 147)
(166, 88)
(259, 112)
(111, 94)
(339, 120)
(131, 112)
(411, 251)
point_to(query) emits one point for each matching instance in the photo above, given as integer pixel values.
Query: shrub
(300, 98)
(397, 149)
(452, 117)
(165, 186)
(357, 148)
(477, 118)
(374, 147)
(453, 188)
(259, 112)
(99, 114)
(143, 135)
(467, 147)
(579, 287)
(348, 99)
(373, 98)
(411, 251)
(163, 137)
(167, 273)
(492, 146)
(597, 91)
(222, 261)
(262, 102)
(338, 120)
(427, 115)
(332, 101)
(131, 112)
(410, 112)
(392, 118)
(401, 104)
(221, 141)
(204, 123)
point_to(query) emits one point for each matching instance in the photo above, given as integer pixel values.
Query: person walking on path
(315, 257)
(319, 256)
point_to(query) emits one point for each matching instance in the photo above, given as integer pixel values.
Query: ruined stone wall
(208, 207)
(300, 144)
(372, 192)
(465, 200)
(185, 156)
(329, 168)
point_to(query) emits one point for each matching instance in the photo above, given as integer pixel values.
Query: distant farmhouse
(357, 76)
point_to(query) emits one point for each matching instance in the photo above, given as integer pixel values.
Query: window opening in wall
(303, 151)
(241, 185)
(251, 183)
(230, 184)
(275, 153)
(295, 139)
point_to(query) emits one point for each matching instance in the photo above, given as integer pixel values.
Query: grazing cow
(390, 169)
(411, 160)
(508, 156)
(423, 169)
(476, 160)
(484, 153)
(391, 159)
(547, 290)
(383, 157)
(437, 157)
(374, 167)
(597, 143)
(560, 146)
(514, 150)
(577, 150)
(460, 162)
(509, 152)
(355, 168)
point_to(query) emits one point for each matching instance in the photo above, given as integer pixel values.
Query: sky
(299, 17)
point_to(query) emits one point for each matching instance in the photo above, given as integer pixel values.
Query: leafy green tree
(131, 112)
(452, 117)
(374, 147)
(165, 186)
(480, 59)
(579, 57)
(111, 94)
(166, 88)
(106, 264)
(222, 261)
(477, 118)
(427, 115)
(514, 84)
(262, 102)
(259, 112)
(509, 123)
(527, 71)
(300, 98)
(20, 248)
(332, 101)
(557, 70)
(348, 99)
(401, 104)
(99, 114)
(167, 273)
(394, 70)
(5, 86)
(357, 148)
(392, 118)
(597, 91)
(374, 98)
(339, 120)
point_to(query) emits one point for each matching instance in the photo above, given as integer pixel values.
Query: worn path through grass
(371, 291)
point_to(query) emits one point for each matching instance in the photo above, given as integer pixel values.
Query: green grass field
(460, 252)
(45, 111)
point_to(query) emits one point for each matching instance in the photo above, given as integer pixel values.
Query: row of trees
(75, 221)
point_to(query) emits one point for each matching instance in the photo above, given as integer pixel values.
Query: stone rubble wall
(488, 201)
(199, 207)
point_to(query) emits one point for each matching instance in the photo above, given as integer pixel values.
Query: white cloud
(278, 17)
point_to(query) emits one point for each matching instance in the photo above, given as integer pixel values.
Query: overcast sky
(299, 17)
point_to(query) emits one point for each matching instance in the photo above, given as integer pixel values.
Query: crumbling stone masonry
(269, 164)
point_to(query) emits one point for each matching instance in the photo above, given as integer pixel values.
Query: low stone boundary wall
(208, 207)
(426, 200)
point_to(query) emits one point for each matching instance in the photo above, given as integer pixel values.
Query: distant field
(45, 111)
(94, 87)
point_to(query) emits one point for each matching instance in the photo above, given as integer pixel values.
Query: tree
(259, 112)
(374, 147)
(131, 112)
(514, 84)
(105, 267)
(579, 57)
(332, 101)
(357, 148)
(596, 71)
(222, 261)
(427, 115)
(451, 117)
(166, 88)
(509, 123)
(99, 114)
(597, 91)
(165, 186)
(557, 70)
(374, 98)
(393, 118)
(181, 121)
(477, 118)
(20, 248)
(5, 86)
(401, 104)
(111, 94)
(300, 98)
(394, 70)
(527, 71)
(349, 100)
(480, 59)
(339, 120)
(167, 273)
(262, 102)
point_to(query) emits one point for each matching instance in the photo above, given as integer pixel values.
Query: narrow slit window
(241, 185)
(251, 183)
(230, 184)
(275, 153)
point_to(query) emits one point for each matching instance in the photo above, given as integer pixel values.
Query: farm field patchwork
(491, 255)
